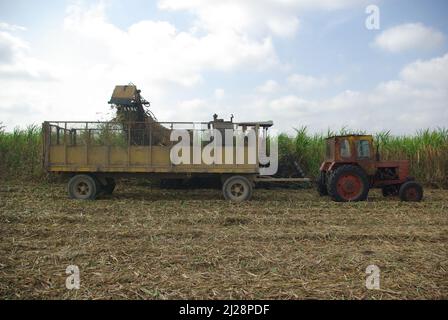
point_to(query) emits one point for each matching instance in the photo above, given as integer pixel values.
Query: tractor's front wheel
(348, 183)
(411, 191)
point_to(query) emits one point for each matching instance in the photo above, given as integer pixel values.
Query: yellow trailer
(135, 144)
(94, 154)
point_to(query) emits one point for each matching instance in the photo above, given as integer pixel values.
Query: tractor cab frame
(352, 167)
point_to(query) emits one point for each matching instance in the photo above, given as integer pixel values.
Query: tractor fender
(334, 165)
(324, 166)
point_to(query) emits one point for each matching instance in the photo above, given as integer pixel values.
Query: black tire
(83, 187)
(329, 176)
(345, 192)
(300, 172)
(237, 189)
(411, 191)
(109, 187)
(322, 184)
(390, 191)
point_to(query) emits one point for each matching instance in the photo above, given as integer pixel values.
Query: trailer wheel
(411, 191)
(322, 185)
(83, 187)
(237, 189)
(349, 183)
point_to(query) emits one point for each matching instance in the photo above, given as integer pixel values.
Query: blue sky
(303, 62)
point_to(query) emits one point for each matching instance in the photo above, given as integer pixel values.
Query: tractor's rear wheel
(328, 181)
(322, 184)
(348, 183)
(389, 191)
(411, 191)
(83, 187)
(237, 189)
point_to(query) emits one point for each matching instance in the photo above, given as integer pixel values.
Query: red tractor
(351, 168)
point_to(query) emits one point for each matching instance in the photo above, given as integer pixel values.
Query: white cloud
(418, 99)
(11, 48)
(194, 110)
(307, 83)
(299, 83)
(219, 93)
(91, 55)
(166, 53)
(290, 103)
(270, 86)
(16, 61)
(410, 36)
(253, 17)
(11, 27)
(192, 104)
(431, 73)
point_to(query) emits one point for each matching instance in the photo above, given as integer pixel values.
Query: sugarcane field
(153, 236)
(152, 243)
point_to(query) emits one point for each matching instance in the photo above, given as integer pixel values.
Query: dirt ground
(148, 243)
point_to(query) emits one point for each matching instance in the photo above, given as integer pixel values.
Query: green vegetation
(108, 134)
(21, 151)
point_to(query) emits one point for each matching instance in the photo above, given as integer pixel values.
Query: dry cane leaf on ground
(146, 243)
